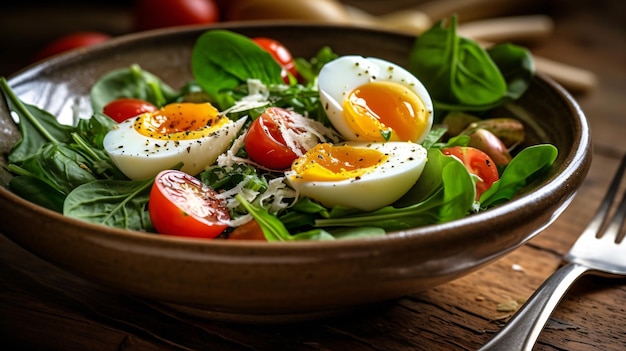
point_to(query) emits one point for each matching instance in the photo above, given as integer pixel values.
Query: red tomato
(124, 108)
(152, 14)
(280, 53)
(71, 41)
(248, 231)
(264, 141)
(181, 205)
(477, 163)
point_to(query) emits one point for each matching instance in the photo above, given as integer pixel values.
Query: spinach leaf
(313, 234)
(95, 128)
(131, 82)
(37, 191)
(222, 60)
(460, 75)
(444, 192)
(63, 166)
(433, 137)
(338, 233)
(58, 165)
(115, 203)
(88, 139)
(37, 127)
(516, 65)
(353, 233)
(303, 214)
(97, 160)
(523, 168)
(455, 70)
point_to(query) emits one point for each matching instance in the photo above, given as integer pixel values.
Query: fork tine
(617, 222)
(602, 213)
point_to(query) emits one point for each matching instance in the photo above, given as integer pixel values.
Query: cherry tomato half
(124, 108)
(264, 141)
(71, 41)
(477, 163)
(152, 14)
(182, 205)
(280, 53)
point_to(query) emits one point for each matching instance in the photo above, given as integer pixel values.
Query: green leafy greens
(66, 169)
(460, 75)
(131, 82)
(222, 60)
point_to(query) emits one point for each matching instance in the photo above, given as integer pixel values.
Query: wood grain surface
(44, 308)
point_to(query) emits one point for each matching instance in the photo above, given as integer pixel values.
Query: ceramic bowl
(262, 282)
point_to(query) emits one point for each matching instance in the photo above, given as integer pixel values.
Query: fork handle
(522, 330)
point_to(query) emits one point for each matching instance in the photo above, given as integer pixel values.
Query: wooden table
(42, 307)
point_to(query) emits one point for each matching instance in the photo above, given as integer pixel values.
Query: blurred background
(27, 26)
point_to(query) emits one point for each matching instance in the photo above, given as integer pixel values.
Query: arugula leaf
(115, 203)
(275, 230)
(222, 60)
(226, 178)
(523, 168)
(310, 69)
(131, 82)
(272, 227)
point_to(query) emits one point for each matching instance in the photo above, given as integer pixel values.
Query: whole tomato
(152, 14)
(69, 42)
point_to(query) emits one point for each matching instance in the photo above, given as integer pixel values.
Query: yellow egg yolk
(180, 121)
(327, 162)
(385, 111)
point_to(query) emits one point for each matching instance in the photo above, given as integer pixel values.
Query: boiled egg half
(193, 134)
(364, 176)
(370, 99)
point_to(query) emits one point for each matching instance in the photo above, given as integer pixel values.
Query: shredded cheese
(302, 134)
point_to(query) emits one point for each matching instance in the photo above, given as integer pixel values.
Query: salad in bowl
(259, 145)
(249, 172)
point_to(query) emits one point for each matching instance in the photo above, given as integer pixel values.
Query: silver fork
(595, 252)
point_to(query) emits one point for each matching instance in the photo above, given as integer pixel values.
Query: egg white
(140, 157)
(382, 186)
(346, 73)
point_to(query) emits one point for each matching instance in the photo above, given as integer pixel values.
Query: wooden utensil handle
(574, 79)
(511, 28)
(469, 10)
